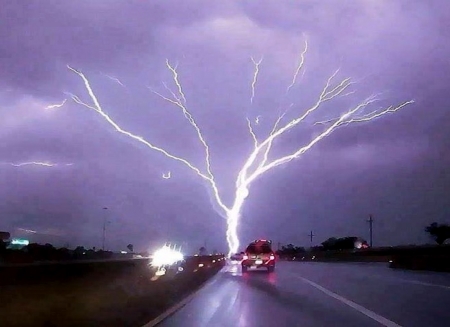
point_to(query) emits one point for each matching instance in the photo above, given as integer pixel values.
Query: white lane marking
(382, 320)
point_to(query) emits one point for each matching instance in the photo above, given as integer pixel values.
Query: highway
(315, 294)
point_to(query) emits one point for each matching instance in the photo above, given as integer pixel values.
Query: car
(259, 254)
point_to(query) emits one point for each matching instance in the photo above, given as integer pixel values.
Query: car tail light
(245, 257)
(272, 257)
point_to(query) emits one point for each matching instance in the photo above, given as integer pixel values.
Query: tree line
(438, 232)
(47, 252)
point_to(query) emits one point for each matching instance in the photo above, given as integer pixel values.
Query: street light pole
(104, 229)
(370, 221)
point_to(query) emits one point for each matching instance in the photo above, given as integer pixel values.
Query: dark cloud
(395, 167)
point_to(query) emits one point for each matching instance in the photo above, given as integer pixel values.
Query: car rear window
(257, 249)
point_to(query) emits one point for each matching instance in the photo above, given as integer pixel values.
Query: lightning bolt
(115, 79)
(27, 230)
(166, 175)
(252, 133)
(257, 120)
(255, 76)
(299, 67)
(57, 105)
(33, 163)
(257, 163)
(175, 78)
(269, 144)
(37, 163)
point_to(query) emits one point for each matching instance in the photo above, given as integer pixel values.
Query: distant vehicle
(259, 254)
(237, 256)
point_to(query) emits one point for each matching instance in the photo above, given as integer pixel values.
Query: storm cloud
(395, 167)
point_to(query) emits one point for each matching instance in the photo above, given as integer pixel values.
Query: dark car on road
(259, 254)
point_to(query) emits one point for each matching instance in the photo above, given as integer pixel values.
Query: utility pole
(311, 235)
(104, 229)
(370, 221)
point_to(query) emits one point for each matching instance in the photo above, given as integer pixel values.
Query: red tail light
(272, 257)
(245, 257)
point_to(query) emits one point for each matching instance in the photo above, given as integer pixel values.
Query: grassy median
(97, 294)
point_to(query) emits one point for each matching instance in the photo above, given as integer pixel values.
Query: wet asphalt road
(319, 294)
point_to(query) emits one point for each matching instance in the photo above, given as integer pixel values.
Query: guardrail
(60, 270)
(440, 263)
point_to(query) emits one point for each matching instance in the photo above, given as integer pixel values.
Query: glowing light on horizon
(166, 256)
(257, 163)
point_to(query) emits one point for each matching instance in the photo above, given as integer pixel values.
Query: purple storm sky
(395, 167)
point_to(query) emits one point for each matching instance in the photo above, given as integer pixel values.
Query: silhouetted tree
(41, 252)
(80, 249)
(439, 232)
(329, 244)
(343, 243)
(290, 250)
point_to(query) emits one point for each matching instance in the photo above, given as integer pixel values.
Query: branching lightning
(98, 108)
(175, 78)
(115, 79)
(252, 133)
(258, 161)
